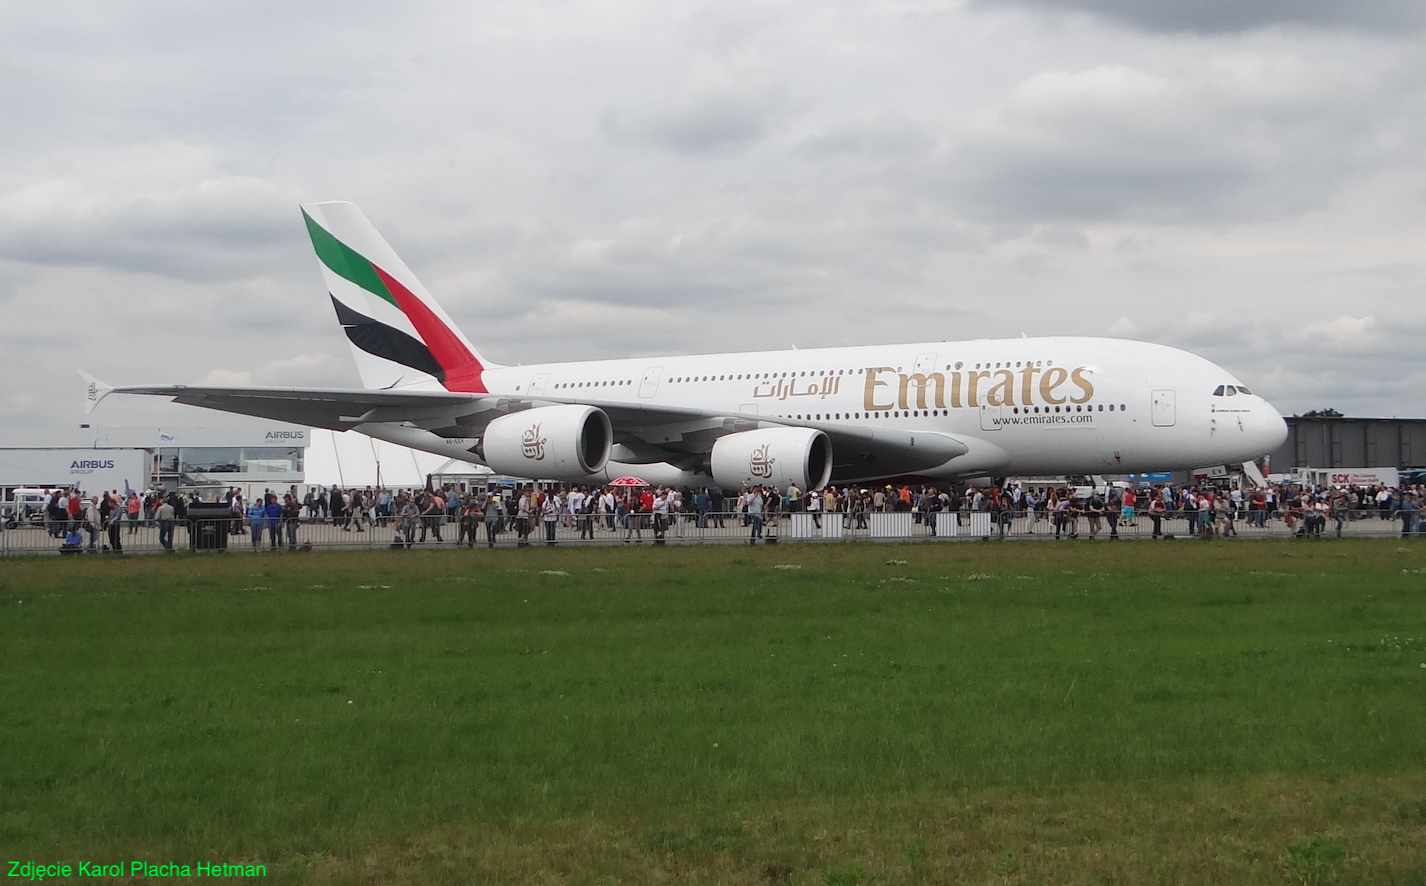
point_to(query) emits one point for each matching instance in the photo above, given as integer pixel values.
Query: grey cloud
(727, 29)
(703, 119)
(1232, 16)
(1238, 139)
(882, 138)
(746, 263)
(222, 227)
(1300, 365)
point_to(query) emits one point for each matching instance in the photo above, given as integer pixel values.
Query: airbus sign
(91, 470)
(90, 465)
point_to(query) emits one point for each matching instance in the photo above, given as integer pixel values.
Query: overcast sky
(1240, 178)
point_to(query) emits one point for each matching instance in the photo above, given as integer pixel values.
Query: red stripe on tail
(463, 371)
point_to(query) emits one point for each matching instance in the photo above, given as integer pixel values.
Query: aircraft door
(1163, 411)
(989, 417)
(925, 364)
(650, 383)
(537, 384)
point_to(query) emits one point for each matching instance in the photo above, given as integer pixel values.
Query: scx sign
(1363, 478)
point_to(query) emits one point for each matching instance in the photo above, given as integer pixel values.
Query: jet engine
(549, 443)
(772, 457)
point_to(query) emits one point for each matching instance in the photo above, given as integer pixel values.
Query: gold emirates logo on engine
(532, 445)
(760, 464)
(888, 389)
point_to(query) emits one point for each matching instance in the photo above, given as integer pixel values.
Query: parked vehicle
(25, 506)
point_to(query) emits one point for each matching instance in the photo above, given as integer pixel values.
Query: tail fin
(398, 334)
(94, 390)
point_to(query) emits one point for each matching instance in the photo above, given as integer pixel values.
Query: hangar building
(1342, 442)
(188, 459)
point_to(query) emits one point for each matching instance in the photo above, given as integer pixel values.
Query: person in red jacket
(76, 509)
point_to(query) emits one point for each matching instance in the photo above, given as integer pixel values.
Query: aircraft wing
(337, 409)
(648, 433)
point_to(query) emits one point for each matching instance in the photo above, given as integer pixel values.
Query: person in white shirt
(580, 505)
(814, 507)
(551, 513)
(754, 505)
(607, 506)
(660, 515)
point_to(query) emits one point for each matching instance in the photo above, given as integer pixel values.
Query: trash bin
(208, 524)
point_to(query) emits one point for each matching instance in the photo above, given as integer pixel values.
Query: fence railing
(709, 528)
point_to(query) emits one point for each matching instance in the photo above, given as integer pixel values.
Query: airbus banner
(91, 470)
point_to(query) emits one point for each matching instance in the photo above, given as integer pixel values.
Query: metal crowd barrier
(143, 537)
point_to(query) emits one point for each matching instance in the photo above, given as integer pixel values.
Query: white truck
(25, 506)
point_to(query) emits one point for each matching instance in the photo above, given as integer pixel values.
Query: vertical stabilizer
(399, 335)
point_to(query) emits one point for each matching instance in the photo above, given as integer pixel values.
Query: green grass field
(980, 713)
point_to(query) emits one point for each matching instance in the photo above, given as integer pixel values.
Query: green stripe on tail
(346, 262)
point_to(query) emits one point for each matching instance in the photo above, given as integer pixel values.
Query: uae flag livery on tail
(399, 336)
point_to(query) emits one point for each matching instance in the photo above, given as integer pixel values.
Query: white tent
(350, 459)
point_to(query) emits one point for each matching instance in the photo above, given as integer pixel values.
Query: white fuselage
(1028, 406)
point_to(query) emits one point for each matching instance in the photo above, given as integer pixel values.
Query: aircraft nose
(1274, 429)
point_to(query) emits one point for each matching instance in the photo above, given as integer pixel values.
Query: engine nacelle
(772, 457)
(549, 443)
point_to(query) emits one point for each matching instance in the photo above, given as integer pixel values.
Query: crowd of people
(78, 520)
(418, 516)
(1204, 511)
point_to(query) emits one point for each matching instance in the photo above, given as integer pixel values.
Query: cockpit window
(1218, 391)
(1232, 391)
(1243, 390)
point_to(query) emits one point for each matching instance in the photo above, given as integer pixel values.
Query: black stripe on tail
(380, 340)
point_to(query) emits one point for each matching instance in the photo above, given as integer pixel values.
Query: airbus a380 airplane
(939, 410)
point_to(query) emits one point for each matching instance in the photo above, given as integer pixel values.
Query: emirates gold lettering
(965, 388)
(872, 383)
(935, 380)
(1053, 378)
(972, 394)
(1003, 393)
(1027, 382)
